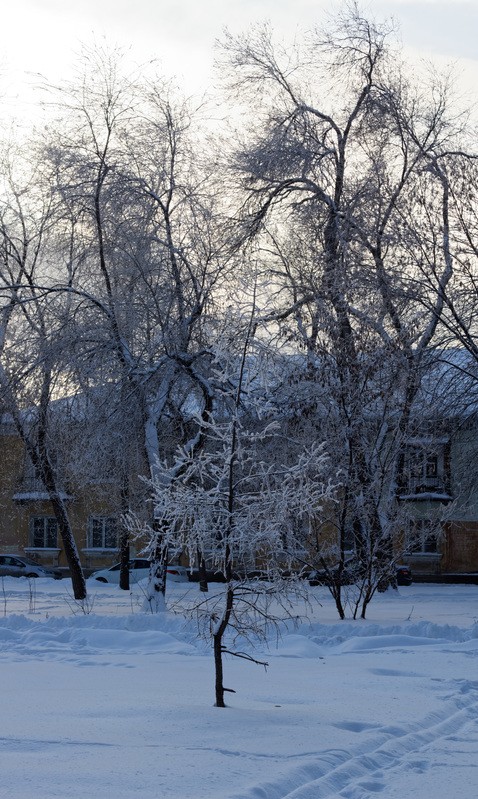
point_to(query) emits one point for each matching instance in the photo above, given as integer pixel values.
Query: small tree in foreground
(233, 504)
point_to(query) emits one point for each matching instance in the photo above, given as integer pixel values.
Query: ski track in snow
(360, 772)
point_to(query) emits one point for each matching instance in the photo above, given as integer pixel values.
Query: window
(31, 488)
(43, 532)
(425, 467)
(102, 532)
(431, 466)
(423, 537)
(350, 538)
(294, 533)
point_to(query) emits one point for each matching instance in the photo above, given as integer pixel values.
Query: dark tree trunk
(203, 585)
(124, 537)
(219, 684)
(44, 469)
(218, 647)
(124, 559)
(77, 577)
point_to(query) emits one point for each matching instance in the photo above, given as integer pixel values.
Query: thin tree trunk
(124, 537)
(124, 559)
(217, 639)
(219, 683)
(45, 471)
(203, 585)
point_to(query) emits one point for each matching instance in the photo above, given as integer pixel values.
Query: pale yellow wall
(15, 516)
(460, 545)
(12, 531)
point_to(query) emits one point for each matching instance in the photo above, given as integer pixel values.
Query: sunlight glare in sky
(42, 36)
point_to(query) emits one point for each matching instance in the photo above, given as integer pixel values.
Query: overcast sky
(41, 36)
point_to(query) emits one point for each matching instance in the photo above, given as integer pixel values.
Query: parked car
(138, 570)
(20, 566)
(403, 575)
(284, 574)
(248, 574)
(178, 574)
(211, 576)
(324, 576)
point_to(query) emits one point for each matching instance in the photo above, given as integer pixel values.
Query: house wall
(11, 520)
(458, 519)
(460, 553)
(99, 499)
(464, 482)
(460, 547)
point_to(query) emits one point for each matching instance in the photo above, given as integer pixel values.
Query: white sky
(42, 36)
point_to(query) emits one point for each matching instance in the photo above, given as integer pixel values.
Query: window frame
(426, 467)
(48, 542)
(92, 542)
(423, 538)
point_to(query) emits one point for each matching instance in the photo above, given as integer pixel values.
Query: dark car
(350, 575)
(283, 574)
(247, 574)
(20, 566)
(404, 575)
(211, 576)
(325, 576)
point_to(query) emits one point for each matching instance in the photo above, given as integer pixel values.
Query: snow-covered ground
(116, 703)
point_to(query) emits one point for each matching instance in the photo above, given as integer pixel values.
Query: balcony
(425, 489)
(31, 489)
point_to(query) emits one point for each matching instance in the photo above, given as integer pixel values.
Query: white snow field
(119, 704)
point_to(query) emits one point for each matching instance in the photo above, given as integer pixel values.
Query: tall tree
(148, 252)
(33, 344)
(331, 171)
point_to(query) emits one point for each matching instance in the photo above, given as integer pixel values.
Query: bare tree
(147, 253)
(32, 346)
(331, 175)
(231, 503)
